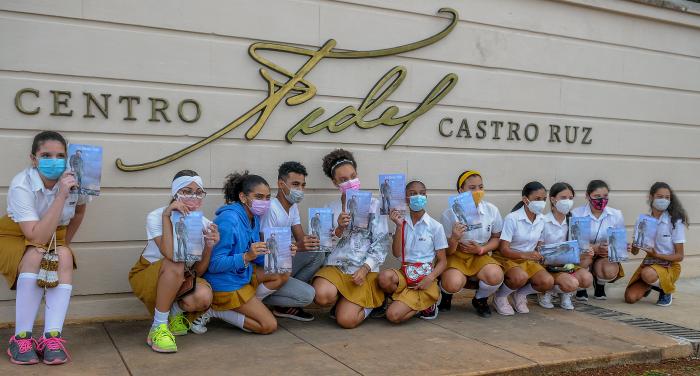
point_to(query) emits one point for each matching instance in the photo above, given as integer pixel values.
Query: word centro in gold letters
(188, 110)
(301, 90)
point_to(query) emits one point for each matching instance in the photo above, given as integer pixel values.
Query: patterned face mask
(599, 203)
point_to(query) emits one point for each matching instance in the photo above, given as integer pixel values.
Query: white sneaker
(545, 300)
(565, 301)
(503, 306)
(199, 326)
(520, 301)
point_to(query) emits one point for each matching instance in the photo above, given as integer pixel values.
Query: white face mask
(564, 206)
(661, 204)
(537, 207)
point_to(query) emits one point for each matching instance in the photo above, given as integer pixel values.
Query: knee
(453, 281)
(268, 326)
(387, 280)
(585, 280)
(324, 298)
(347, 321)
(172, 269)
(394, 316)
(493, 275)
(631, 297)
(648, 275)
(203, 298)
(568, 284)
(307, 295)
(544, 283)
(516, 280)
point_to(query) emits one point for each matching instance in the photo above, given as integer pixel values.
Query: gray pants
(297, 292)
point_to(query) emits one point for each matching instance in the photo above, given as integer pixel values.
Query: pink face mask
(599, 203)
(259, 207)
(350, 184)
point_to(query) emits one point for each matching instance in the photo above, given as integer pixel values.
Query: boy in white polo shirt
(284, 212)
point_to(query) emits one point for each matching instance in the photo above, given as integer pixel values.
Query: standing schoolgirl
(518, 253)
(157, 280)
(661, 267)
(349, 279)
(419, 241)
(468, 251)
(42, 215)
(602, 217)
(238, 287)
(556, 230)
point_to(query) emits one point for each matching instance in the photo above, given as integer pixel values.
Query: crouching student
(468, 258)
(602, 217)
(296, 293)
(239, 284)
(419, 240)
(161, 283)
(349, 278)
(569, 278)
(42, 216)
(518, 254)
(661, 267)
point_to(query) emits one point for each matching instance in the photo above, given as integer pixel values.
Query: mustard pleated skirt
(368, 295)
(418, 300)
(668, 275)
(528, 266)
(469, 264)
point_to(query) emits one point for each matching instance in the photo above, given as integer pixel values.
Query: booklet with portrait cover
(617, 244)
(465, 211)
(392, 192)
(357, 204)
(188, 236)
(645, 232)
(561, 253)
(580, 230)
(85, 161)
(278, 260)
(321, 226)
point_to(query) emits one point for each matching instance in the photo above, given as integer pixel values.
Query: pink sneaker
(503, 306)
(520, 301)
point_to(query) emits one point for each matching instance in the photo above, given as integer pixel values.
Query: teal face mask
(417, 202)
(51, 168)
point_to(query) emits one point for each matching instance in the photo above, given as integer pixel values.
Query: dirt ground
(676, 367)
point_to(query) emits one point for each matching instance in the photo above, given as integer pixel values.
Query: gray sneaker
(22, 349)
(53, 349)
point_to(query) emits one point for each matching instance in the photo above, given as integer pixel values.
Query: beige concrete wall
(629, 71)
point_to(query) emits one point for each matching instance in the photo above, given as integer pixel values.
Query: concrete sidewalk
(458, 342)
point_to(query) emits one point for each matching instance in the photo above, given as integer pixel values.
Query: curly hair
(288, 167)
(240, 182)
(336, 158)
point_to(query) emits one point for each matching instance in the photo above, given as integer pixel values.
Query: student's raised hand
(66, 182)
(343, 220)
(311, 243)
(396, 217)
(359, 276)
(256, 249)
(211, 236)
(293, 249)
(458, 230)
(177, 206)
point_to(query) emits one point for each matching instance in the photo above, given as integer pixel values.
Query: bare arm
(677, 255)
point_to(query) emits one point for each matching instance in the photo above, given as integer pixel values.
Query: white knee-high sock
(485, 290)
(232, 317)
(556, 290)
(57, 300)
(29, 296)
(526, 290)
(504, 291)
(263, 292)
(159, 318)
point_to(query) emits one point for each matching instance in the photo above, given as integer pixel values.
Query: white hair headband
(184, 181)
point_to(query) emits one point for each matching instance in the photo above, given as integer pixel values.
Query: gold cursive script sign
(301, 91)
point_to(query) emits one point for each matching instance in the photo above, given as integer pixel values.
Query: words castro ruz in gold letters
(297, 90)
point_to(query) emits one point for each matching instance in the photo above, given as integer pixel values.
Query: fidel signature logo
(300, 91)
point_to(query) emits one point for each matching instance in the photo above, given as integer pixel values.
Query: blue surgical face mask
(417, 202)
(51, 168)
(294, 196)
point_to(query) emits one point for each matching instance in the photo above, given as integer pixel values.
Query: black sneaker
(293, 313)
(430, 313)
(380, 312)
(582, 295)
(599, 292)
(482, 307)
(445, 303)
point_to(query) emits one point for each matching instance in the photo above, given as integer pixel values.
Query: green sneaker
(161, 340)
(178, 324)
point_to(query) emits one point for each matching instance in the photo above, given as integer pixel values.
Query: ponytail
(240, 182)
